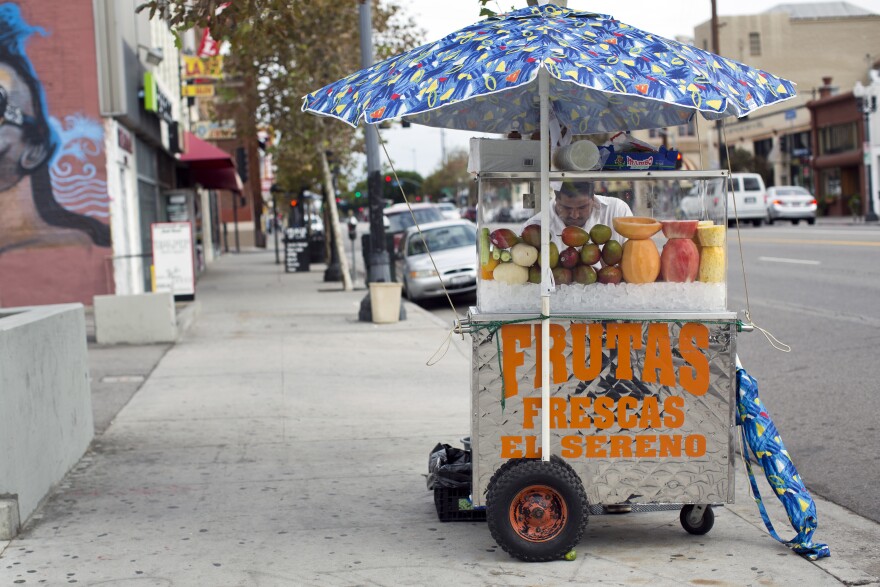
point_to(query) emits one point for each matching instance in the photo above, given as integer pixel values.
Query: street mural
(53, 190)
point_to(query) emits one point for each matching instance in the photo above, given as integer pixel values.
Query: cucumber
(496, 254)
(506, 256)
(484, 246)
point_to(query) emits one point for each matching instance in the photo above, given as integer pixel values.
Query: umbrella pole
(546, 275)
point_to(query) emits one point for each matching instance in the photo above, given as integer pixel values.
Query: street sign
(214, 130)
(790, 114)
(197, 91)
(202, 68)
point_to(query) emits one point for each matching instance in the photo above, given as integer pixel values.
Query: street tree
(450, 178)
(281, 50)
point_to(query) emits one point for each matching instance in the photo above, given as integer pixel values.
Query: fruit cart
(641, 384)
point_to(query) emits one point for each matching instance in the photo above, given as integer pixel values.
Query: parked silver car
(790, 202)
(452, 243)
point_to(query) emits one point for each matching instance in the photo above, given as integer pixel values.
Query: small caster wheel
(693, 522)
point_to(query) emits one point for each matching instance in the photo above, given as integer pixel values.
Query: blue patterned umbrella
(604, 76)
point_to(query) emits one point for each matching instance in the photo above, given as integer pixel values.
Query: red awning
(203, 154)
(216, 179)
(210, 166)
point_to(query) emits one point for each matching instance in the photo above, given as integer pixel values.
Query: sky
(419, 148)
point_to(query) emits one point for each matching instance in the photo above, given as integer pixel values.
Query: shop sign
(197, 91)
(214, 130)
(124, 140)
(155, 100)
(202, 67)
(173, 267)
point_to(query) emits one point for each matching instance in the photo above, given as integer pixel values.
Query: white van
(748, 190)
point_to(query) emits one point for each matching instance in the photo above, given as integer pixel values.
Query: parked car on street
(790, 202)
(746, 198)
(399, 218)
(449, 211)
(452, 244)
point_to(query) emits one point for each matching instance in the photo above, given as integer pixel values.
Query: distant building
(801, 42)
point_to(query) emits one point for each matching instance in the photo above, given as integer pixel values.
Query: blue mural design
(34, 150)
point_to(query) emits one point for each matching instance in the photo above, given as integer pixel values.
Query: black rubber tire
(705, 524)
(770, 221)
(811, 221)
(565, 491)
(796, 221)
(758, 222)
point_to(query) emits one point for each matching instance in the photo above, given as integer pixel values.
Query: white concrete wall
(136, 319)
(45, 400)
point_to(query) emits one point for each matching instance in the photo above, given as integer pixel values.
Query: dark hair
(577, 188)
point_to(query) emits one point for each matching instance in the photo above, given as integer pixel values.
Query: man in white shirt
(576, 204)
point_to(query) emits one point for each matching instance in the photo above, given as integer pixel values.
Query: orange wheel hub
(538, 513)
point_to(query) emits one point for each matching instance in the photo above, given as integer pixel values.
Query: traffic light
(357, 194)
(241, 163)
(387, 179)
(678, 160)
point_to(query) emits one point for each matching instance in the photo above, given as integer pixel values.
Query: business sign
(197, 91)
(155, 100)
(214, 130)
(202, 68)
(173, 264)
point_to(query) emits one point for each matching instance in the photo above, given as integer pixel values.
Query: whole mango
(590, 254)
(569, 257)
(612, 252)
(562, 276)
(574, 236)
(584, 274)
(600, 233)
(503, 238)
(610, 274)
(531, 234)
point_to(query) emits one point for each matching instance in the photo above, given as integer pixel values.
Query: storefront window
(837, 139)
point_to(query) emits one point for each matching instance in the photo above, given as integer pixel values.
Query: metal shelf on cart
(477, 316)
(607, 175)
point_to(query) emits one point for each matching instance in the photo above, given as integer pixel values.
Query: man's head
(575, 202)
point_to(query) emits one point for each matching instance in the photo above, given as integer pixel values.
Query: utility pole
(379, 268)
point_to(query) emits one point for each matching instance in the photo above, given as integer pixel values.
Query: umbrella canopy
(604, 76)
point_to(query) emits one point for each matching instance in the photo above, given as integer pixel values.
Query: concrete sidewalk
(282, 442)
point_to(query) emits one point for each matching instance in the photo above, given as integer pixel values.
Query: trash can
(385, 302)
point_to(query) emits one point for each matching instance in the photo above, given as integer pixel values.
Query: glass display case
(669, 255)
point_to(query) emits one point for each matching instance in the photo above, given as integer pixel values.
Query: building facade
(801, 42)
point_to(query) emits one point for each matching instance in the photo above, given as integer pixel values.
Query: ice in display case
(660, 273)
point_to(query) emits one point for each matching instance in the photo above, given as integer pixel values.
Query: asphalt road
(816, 289)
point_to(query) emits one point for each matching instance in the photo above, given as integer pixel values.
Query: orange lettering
(558, 366)
(695, 445)
(650, 416)
(558, 409)
(579, 367)
(579, 418)
(571, 447)
(673, 411)
(692, 338)
(621, 446)
(658, 356)
(533, 451)
(511, 356)
(530, 411)
(644, 446)
(624, 419)
(510, 447)
(624, 336)
(594, 448)
(670, 445)
(604, 416)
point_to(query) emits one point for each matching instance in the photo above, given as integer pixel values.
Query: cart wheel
(536, 510)
(702, 526)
